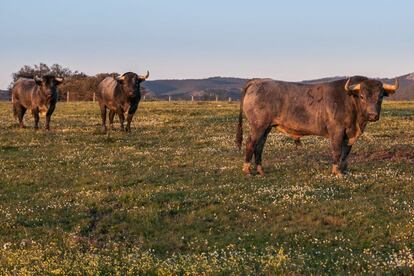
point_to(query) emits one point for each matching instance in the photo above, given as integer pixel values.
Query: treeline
(80, 86)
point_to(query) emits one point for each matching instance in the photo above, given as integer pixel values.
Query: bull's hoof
(298, 142)
(336, 171)
(260, 170)
(246, 169)
(103, 129)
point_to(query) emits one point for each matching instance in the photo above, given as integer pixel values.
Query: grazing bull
(39, 95)
(336, 110)
(120, 95)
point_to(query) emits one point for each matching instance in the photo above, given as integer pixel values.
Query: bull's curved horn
(59, 79)
(391, 87)
(121, 77)
(144, 77)
(354, 87)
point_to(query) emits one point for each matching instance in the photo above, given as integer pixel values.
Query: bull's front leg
(131, 113)
(35, 113)
(337, 142)
(49, 115)
(346, 149)
(121, 119)
(111, 119)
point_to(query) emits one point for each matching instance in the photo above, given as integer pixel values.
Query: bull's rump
(107, 93)
(22, 92)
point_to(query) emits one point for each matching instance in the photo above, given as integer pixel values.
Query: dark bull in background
(39, 95)
(337, 110)
(120, 95)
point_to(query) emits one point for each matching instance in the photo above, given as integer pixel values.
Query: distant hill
(208, 88)
(406, 91)
(4, 95)
(199, 88)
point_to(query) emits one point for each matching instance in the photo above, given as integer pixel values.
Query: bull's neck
(41, 95)
(126, 97)
(360, 118)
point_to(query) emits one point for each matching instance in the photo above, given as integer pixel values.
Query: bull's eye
(362, 97)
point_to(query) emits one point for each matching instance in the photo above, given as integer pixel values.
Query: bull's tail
(239, 134)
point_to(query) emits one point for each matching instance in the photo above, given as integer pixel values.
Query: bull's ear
(58, 80)
(390, 89)
(38, 80)
(388, 93)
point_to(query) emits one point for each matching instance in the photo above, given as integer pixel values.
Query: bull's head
(369, 94)
(130, 83)
(48, 85)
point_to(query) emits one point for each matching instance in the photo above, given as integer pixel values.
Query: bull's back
(22, 91)
(277, 97)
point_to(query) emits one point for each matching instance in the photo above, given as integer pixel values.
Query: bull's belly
(298, 131)
(115, 108)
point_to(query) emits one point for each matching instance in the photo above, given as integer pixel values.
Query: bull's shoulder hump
(285, 85)
(258, 82)
(253, 82)
(108, 82)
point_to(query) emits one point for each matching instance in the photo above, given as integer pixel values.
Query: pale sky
(286, 40)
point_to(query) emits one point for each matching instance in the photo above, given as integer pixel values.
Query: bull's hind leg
(259, 150)
(346, 149)
(252, 141)
(19, 112)
(298, 142)
(103, 116)
(121, 119)
(111, 119)
(35, 113)
(131, 113)
(338, 141)
(48, 116)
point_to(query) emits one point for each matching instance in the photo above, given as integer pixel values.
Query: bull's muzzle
(373, 117)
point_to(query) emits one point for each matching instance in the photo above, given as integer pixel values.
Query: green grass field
(170, 196)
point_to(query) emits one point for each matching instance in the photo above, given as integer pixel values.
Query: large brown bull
(120, 95)
(336, 110)
(39, 95)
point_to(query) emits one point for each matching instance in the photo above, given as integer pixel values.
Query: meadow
(170, 198)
